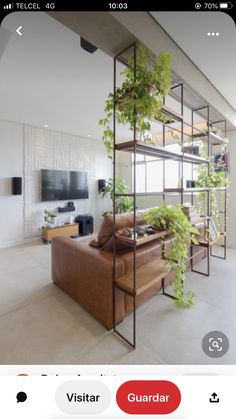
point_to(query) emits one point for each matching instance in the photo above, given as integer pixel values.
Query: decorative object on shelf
(190, 183)
(127, 232)
(212, 230)
(17, 186)
(70, 219)
(69, 207)
(50, 217)
(173, 219)
(122, 203)
(194, 149)
(150, 230)
(152, 83)
(141, 231)
(221, 162)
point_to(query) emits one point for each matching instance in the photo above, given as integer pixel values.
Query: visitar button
(148, 397)
(83, 397)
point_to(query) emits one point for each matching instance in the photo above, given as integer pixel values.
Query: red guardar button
(148, 397)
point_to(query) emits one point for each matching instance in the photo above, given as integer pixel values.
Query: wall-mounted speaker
(87, 46)
(101, 184)
(17, 186)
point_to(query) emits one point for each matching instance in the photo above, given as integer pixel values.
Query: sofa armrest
(85, 273)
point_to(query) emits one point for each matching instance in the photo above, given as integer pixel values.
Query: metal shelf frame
(136, 147)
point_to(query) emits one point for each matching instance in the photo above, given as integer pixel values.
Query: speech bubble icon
(21, 397)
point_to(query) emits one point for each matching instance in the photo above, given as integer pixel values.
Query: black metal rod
(192, 122)
(124, 339)
(200, 108)
(182, 146)
(114, 201)
(135, 220)
(169, 295)
(225, 196)
(176, 85)
(124, 50)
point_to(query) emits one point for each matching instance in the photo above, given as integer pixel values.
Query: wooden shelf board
(213, 138)
(147, 149)
(146, 276)
(140, 240)
(186, 190)
(206, 243)
(192, 190)
(175, 116)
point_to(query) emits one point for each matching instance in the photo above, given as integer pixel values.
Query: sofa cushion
(121, 220)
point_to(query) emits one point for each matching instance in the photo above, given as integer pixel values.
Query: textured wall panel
(46, 149)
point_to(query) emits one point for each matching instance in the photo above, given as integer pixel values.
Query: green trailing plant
(49, 216)
(139, 99)
(123, 203)
(172, 219)
(214, 178)
(174, 135)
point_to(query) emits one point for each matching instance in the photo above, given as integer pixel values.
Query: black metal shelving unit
(139, 280)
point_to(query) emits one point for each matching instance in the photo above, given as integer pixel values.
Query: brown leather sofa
(83, 269)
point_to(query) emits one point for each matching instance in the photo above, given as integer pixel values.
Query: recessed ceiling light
(45, 126)
(89, 135)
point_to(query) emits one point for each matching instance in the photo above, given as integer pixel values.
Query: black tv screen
(60, 185)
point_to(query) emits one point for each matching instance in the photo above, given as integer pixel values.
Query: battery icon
(226, 5)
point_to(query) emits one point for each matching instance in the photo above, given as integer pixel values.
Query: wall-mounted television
(60, 185)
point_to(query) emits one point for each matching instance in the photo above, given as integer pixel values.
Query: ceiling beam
(99, 28)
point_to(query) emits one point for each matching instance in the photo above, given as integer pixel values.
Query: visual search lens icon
(21, 397)
(215, 344)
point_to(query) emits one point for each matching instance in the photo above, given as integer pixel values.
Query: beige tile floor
(39, 324)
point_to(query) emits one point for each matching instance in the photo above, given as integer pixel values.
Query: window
(149, 173)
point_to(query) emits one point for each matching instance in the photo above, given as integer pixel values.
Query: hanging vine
(172, 219)
(145, 93)
(213, 179)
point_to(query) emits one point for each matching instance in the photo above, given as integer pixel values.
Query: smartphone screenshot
(117, 210)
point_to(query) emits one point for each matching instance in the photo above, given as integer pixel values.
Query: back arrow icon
(18, 30)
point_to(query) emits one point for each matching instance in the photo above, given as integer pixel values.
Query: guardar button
(148, 397)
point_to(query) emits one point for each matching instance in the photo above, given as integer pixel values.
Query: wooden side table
(69, 230)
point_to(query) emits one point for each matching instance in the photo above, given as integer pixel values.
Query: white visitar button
(83, 397)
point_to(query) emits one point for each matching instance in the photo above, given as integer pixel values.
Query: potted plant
(145, 94)
(123, 203)
(50, 217)
(172, 219)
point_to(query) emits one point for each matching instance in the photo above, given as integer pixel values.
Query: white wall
(24, 151)
(47, 149)
(11, 164)
(231, 228)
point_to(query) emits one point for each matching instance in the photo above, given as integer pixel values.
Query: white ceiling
(46, 78)
(215, 56)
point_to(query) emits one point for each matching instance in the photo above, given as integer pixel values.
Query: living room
(53, 95)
